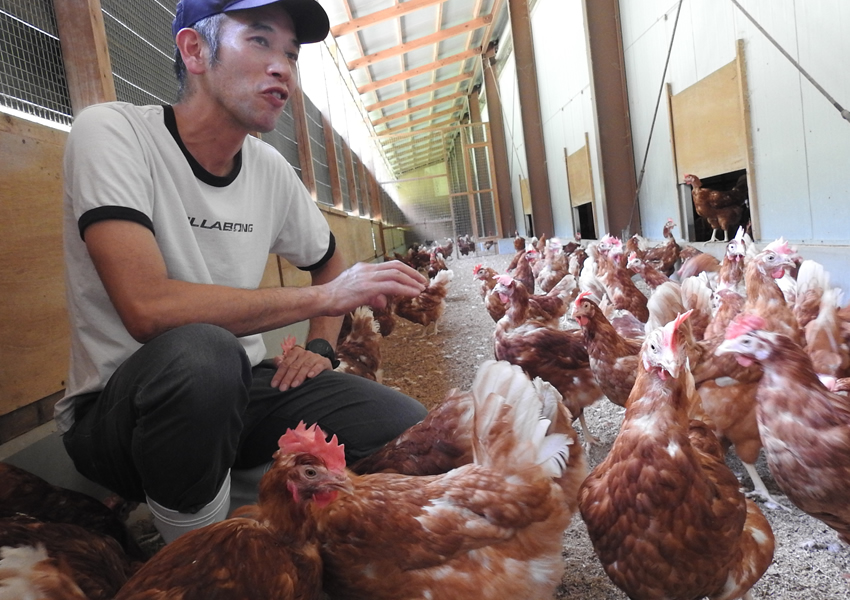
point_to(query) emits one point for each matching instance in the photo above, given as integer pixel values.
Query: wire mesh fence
(454, 195)
(141, 49)
(32, 74)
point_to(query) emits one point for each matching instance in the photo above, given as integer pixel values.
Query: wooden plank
(419, 91)
(708, 125)
(85, 52)
(580, 176)
(428, 40)
(393, 12)
(34, 334)
(744, 102)
(411, 73)
(413, 109)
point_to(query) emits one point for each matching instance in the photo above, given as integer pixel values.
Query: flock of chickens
(750, 353)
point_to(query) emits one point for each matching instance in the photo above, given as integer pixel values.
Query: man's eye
(292, 56)
(260, 40)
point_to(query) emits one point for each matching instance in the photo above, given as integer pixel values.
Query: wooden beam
(610, 96)
(417, 108)
(411, 73)
(418, 92)
(380, 16)
(428, 40)
(532, 120)
(501, 169)
(85, 52)
(428, 119)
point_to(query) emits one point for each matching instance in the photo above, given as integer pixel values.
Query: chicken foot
(759, 489)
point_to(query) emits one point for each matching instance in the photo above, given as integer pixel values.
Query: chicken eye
(310, 472)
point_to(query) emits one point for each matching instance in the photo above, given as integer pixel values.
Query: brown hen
(492, 529)
(556, 356)
(663, 510)
(722, 209)
(268, 550)
(427, 308)
(613, 358)
(805, 428)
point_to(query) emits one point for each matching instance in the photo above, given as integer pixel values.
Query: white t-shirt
(123, 162)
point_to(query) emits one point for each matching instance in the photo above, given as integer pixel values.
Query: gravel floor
(808, 563)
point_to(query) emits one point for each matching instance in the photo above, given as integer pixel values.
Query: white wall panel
(801, 144)
(563, 79)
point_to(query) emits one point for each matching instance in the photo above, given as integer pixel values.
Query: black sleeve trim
(326, 257)
(107, 213)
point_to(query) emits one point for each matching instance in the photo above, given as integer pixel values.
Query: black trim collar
(200, 172)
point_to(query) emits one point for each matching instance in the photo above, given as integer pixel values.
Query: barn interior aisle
(807, 564)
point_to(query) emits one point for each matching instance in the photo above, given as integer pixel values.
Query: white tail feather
(511, 428)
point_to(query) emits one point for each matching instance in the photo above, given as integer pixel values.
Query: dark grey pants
(187, 407)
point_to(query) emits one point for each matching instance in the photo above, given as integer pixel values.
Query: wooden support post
(611, 105)
(532, 122)
(85, 52)
(502, 170)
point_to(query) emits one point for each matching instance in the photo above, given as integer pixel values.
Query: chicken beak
(725, 347)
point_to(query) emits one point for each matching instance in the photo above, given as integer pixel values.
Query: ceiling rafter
(424, 98)
(418, 107)
(419, 91)
(404, 48)
(409, 74)
(428, 119)
(392, 12)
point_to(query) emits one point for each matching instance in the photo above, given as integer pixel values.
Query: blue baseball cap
(310, 19)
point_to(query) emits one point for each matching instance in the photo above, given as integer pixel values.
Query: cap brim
(310, 19)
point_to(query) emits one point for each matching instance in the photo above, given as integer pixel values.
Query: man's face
(256, 71)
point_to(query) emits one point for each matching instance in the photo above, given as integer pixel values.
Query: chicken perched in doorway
(805, 428)
(359, 351)
(428, 307)
(613, 358)
(721, 209)
(487, 530)
(663, 510)
(268, 550)
(556, 356)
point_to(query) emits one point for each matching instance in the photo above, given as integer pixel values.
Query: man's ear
(193, 49)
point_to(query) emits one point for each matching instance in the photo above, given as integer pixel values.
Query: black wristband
(323, 348)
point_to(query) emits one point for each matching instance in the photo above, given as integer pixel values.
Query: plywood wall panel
(34, 337)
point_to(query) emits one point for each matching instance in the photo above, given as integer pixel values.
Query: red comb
(475, 269)
(780, 246)
(581, 297)
(744, 323)
(669, 331)
(311, 440)
(632, 256)
(505, 279)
